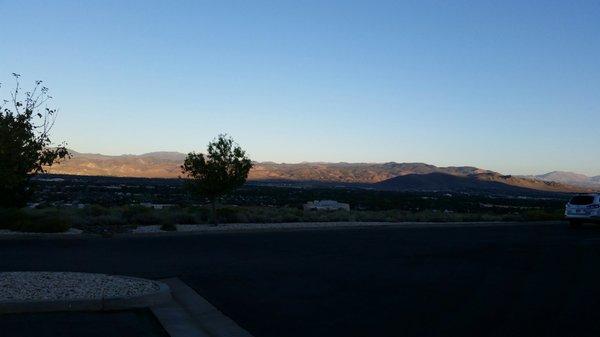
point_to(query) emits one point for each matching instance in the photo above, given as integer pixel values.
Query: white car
(583, 208)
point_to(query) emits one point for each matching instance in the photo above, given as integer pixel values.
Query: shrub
(544, 215)
(181, 216)
(142, 216)
(45, 225)
(34, 222)
(228, 215)
(103, 220)
(201, 215)
(145, 219)
(132, 211)
(12, 218)
(169, 227)
(334, 216)
(96, 210)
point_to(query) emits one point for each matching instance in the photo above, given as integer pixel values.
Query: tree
(25, 124)
(224, 168)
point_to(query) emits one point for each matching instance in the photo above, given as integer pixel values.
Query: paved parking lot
(499, 280)
(131, 323)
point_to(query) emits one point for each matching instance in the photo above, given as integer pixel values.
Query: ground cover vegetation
(102, 204)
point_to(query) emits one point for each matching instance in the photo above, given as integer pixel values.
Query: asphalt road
(130, 323)
(524, 280)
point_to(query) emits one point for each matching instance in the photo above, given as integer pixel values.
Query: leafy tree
(224, 168)
(25, 124)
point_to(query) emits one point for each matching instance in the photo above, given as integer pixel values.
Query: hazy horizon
(510, 87)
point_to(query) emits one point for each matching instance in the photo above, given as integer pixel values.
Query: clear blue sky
(512, 86)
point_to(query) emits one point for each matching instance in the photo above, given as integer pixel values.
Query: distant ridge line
(385, 176)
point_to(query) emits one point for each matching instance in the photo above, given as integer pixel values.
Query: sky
(511, 86)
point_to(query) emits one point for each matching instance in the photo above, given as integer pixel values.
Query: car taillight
(593, 206)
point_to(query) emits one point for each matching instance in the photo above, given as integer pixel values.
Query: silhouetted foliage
(25, 124)
(224, 168)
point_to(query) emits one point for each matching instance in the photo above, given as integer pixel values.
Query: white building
(326, 205)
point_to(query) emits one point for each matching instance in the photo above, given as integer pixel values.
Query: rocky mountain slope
(149, 165)
(389, 176)
(166, 165)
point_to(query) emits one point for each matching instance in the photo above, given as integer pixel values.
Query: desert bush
(146, 218)
(331, 216)
(228, 214)
(30, 221)
(119, 219)
(182, 216)
(43, 205)
(280, 214)
(51, 223)
(12, 218)
(143, 216)
(131, 211)
(102, 220)
(169, 227)
(544, 215)
(96, 210)
(201, 215)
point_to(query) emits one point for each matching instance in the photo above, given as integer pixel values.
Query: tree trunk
(215, 218)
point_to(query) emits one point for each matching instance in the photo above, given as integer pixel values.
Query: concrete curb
(176, 321)
(148, 300)
(188, 305)
(102, 304)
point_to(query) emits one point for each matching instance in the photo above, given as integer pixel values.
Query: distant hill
(569, 178)
(489, 181)
(167, 165)
(350, 172)
(148, 165)
(388, 176)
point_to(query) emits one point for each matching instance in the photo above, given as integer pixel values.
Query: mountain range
(570, 178)
(384, 176)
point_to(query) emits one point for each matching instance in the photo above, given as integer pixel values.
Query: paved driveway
(525, 280)
(131, 323)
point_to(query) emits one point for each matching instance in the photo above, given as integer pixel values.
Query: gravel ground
(45, 286)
